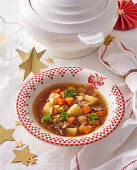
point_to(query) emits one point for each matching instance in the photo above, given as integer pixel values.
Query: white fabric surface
(103, 155)
(50, 156)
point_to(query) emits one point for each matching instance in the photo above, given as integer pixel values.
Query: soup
(70, 109)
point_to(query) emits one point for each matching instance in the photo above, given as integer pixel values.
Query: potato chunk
(75, 110)
(52, 100)
(80, 98)
(71, 131)
(92, 100)
(47, 107)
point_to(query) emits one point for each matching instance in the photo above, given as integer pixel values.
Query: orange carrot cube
(101, 113)
(69, 100)
(86, 110)
(70, 119)
(56, 91)
(86, 130)
(61, 101)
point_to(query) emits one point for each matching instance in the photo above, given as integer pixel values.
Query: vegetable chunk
(71, 131)
(86, 130)
(47, 107)
(81, 98)
(92, 100)
(69, 100)
(70, 93)
(101, 113)
(96, 123)
(70, 119)
(56, 91)
(75, 110)
(92, 117)
(86, 109)
(61, 101)
(64, 115)
(46, 118)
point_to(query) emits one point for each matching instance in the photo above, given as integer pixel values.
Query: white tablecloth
(61, 158)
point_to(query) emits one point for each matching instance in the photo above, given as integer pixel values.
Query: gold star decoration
(32, 161)
(19, 144)
(17, 123)
(108, 39)
(30, 62)
(23, 155)
(6, 134)
(50, 60)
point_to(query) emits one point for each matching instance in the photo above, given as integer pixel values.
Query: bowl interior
(96, 80)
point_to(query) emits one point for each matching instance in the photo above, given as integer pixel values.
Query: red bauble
(127, 12)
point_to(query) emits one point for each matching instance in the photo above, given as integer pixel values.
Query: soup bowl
(95, 80)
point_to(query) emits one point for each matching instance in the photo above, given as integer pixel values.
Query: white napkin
(116, 151)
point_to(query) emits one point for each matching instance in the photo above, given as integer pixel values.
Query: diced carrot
(69, 100)
(70, 119)
(86, 109)
(61, 101)
(62, 93)
(56, 91)
(101, 113)
(86, 130)
(57, 96)
(96, 123)
(71, 87)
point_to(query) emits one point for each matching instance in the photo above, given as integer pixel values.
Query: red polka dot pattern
(37, 131)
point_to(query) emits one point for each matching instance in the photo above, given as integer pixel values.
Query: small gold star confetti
(31, 62)
(23, 155)
(17, 123)
(50, 60)
(19, 144)
(6, 134)
(32, 161)
(108, 39)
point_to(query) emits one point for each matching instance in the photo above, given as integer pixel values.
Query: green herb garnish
(46, 118)
(70, 93)
(63, 115)
(92, 117)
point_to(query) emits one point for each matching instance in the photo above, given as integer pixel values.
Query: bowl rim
(70, 144)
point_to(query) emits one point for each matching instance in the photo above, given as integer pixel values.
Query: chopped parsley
(46, 118)
(92, 117)
(70, 93)
(63, 115)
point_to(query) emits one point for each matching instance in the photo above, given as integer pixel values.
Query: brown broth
(40, 101)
